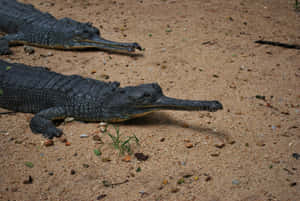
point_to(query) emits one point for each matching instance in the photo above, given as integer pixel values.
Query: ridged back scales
(15, 15)
(41, 88)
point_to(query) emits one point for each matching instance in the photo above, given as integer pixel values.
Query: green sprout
(123, 146)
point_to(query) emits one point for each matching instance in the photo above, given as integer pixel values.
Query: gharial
(24, 24)
(54, 96)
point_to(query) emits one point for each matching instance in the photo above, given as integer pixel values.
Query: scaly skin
(54, 96)
(26, 25)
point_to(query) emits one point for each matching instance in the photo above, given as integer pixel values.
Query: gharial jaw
(132, 102)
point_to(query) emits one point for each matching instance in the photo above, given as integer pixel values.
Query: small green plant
(29, 164)
(97, 152)
(1, 92)
(119, 144)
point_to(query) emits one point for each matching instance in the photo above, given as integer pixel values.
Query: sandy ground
(195, 50)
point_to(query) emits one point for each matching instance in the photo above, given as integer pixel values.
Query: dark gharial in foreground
(26, 25)
(55, 96)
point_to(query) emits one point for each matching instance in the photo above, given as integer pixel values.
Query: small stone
(127, 158)
(48, 143)
(208, 178)
(141, 156)
(106, 159)
(219, 145)
(103, 126)
(216, 154)
(73, 172)
(236, 182)
(162, 139)
(28, 50)
(100, 197)
(85, 165)
(104, 76)
(84, 136)
(189, 145)
(260, 97)
(97, 138)
(260, 143)
(49, 54)
(174, 190)
(28, 181)
(293, 184)
(63, 139)
(50, 173)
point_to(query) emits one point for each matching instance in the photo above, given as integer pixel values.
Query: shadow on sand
(160, 118)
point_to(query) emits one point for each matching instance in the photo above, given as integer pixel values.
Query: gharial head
(131, 102)
(77, 35)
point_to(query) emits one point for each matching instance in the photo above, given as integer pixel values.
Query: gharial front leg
(42, 122)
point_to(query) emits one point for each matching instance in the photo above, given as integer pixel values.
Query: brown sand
(198, 50)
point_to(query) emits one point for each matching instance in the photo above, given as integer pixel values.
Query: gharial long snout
(166, 103)
(101, 43)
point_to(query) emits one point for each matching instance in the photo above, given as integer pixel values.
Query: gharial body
(24, 24)
(55, 96)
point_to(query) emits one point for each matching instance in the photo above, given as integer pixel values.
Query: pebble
(208, 178)
(219, 145)
(63, 139)
(84, 136)
(106, 159)
(85, 165)
(141, 156)
(174, 190)
(100, 197)
(73, 172)
(103, 126)
(236, 182)
(28, 181)
(127, 158)
(189, 145)
(104, 76)
(48, 143)
(97, 138)
(28, 50)
(216, 154)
